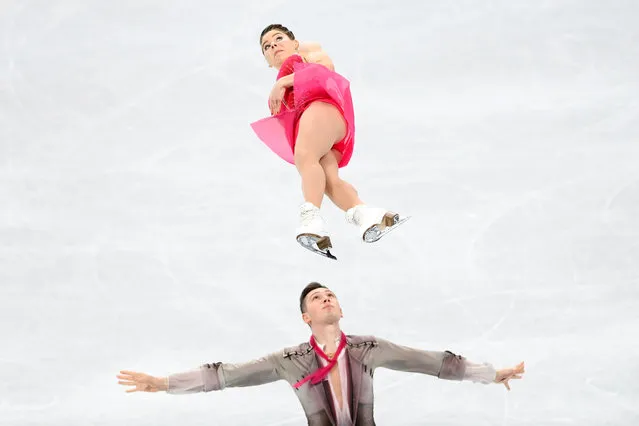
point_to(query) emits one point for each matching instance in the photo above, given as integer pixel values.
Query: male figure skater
(332, 374)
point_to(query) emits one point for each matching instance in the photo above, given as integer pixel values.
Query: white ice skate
(373, 222)
(311, 233)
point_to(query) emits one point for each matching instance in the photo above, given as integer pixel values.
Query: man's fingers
(506, 384)
(124, 377)
(127, 383)
(131, 390)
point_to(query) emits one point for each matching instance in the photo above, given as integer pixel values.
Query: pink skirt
(312, 82)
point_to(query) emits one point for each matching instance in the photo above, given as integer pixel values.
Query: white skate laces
(373, 222)
(308, 213)
(311, 222)
(312, 233)
(364, 216)
(354, 215)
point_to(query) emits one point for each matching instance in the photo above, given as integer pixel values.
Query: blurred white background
(144, 226)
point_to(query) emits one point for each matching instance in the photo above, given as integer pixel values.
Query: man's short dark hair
(309, 287)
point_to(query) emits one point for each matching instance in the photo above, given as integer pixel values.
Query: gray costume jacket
(364, 354)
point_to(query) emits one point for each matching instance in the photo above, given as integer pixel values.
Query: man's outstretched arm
(208, 377)
(442, 364)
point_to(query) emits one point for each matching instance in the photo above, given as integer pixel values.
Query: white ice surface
(143, 226)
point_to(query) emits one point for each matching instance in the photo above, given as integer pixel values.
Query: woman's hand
(276, 97)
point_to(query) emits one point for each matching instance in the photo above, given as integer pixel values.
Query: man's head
(319, 305)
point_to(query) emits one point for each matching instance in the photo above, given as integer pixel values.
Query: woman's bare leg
(342, 194)
(320, 127)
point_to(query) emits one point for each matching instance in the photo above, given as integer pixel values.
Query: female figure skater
(312, 126)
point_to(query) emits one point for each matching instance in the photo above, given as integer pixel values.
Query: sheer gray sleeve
(213, 377)
(205, 379)
(479, 373)
(442, 364)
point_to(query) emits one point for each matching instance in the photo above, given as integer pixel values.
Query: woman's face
(277, 46)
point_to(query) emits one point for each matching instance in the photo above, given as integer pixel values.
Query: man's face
(322, 307)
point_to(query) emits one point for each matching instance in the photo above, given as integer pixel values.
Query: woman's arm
(312, 52)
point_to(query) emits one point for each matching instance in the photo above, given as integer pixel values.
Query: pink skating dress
(312, 82)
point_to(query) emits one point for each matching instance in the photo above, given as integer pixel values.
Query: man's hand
(504, 375)
(142, 382)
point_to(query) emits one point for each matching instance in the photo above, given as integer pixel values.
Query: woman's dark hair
(309, 287)
(279, 27)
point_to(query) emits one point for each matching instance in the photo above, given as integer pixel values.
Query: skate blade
(316, 244)
(389, 223)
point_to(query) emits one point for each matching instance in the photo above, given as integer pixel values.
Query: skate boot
(373, 222)
(311, 233)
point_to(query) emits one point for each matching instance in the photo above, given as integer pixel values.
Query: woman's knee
(329, 164)
(333, 183)
(303, 156)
